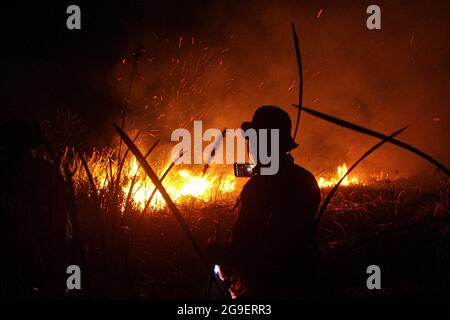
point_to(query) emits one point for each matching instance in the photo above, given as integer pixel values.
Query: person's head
(278, 141)
(19, 135)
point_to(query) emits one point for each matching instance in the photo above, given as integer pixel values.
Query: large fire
(341, 171)
(185, 186)
(182, 185)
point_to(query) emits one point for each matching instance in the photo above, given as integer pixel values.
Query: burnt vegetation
(402, 225)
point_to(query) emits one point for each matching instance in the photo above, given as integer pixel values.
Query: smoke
(219, 62)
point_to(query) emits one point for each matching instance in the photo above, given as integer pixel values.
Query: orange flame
(183, 185)
(331, 182)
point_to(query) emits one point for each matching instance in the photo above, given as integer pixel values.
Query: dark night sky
(46, 67)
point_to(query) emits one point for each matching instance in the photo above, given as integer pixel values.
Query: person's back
(274, 233)
(273, 247)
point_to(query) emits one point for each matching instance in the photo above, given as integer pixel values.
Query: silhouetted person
(33, 212)
(272, 247)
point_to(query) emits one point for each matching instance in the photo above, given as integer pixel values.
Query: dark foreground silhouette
(32, 217)
(272, 250)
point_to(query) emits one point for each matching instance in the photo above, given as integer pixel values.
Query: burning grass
(143, 253)
(135, 245)
(185, 184)
(148, 256)
(162, 265)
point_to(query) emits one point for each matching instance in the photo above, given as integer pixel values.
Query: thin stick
(213, 153)
(90, 177)
(365, 155)
(149, 200)
(300, 78)
(99, 223)
(375, 134)
(135, 175)
(172, 206)
(120, 168)
(151, 149)
(137, 55)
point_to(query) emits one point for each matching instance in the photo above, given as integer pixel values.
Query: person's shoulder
(252, 182)
(304, 174)
(257, 184)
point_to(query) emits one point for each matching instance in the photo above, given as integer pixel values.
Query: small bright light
(218, 272)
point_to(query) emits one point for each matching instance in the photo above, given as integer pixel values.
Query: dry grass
(146, 256)
(129, 254)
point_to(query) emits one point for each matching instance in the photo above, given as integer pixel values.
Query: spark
(319, 14)
(291, 86)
